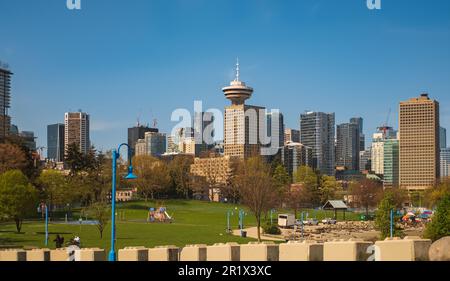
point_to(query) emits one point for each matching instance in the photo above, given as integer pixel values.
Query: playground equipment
(158, 215)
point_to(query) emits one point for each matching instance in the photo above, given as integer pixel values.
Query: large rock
(440, 250)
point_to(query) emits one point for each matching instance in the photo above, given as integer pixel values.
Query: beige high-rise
(242, 122)
(419, 143)
(76, 126)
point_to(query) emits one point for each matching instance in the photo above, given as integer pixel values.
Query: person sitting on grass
(59, 241)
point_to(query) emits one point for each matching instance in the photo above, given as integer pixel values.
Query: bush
(440, 224)
(271, 229)
(382, 216)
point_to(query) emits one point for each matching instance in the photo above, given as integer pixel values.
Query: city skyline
(313, 60)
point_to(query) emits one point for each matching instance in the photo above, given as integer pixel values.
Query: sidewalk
(253, 233)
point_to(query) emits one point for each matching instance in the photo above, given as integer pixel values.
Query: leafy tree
(31, 168)
(100, 212)
(57, 190)
(433, 196)
(153, 176)
(18, 198)
(75, 159)
(440, 224)
(179, 169)
(12, 158)
(328, 188)
(282, 182)
(310, 186)
(256, 187)
(366, 193)
(382, 219)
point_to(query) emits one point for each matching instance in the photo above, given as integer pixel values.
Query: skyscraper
(5, 98)
(317, 131)
(391, 163)
(155, 143)
(275, 130)
(347, 146)
(291, 135)
(55, 142)
(442, 137)
(365, 160)
(445, 162)
(136, 133)
(378, 140)
(419, 143)
(242, 122)
(295, 155)
(76, 131)
(362, 138)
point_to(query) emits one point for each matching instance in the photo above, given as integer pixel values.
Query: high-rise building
(445, 162)
(203, 132)
(5, 99)
(377, 158)
(291, 135)
(347, 146)
(362, 138)
(317, 131)
(242, 122)
(77, 131)
(136, 133)
(29, 140)
(419, 143)
(365, 160)
(442, 137)
(55, 142)
(295, 155)
(155, 143)
(391, 163)
(275, 130)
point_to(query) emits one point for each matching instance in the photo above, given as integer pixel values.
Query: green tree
(434, 195)
(382, 220)
(282, 181)
(310, 185)
(328, 188)
(366, 193)
(55, 187)
(101, 212)
(440, 225)
(75, 159)
(18, 198)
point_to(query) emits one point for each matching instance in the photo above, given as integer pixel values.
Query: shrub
(271, 229)
(440, 224)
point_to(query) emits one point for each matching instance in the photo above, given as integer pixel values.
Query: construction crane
(385, 127)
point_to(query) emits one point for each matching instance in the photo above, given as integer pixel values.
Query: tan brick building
(419, 143)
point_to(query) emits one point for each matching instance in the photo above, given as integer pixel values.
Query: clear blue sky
(118, 59)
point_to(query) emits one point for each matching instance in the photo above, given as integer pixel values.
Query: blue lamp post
(229, 213)
(130, 176)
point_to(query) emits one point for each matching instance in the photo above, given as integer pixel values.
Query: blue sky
(118, 59)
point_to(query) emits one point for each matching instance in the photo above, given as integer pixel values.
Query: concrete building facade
(77, 131)
(5, 100)
(348, 146)
(419, 143)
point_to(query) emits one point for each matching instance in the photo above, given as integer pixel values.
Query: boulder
(440, 250)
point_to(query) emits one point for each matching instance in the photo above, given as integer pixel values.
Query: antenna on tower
(237, 69)
(155, 122)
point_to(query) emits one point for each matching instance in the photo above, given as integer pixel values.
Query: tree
(18, 198)
(382, 219)
(433, 196)
(440, 224)
(328, 188)
(75, 159)
(256, 187)
(282, 182)
(12, 158)
(100, 212)
(56, 189)
(310, 187)
(366, 193)
(153, 175)
(179, 169)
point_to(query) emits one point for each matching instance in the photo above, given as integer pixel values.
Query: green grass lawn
(195, 222)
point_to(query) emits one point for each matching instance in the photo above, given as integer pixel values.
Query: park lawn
(195, 222)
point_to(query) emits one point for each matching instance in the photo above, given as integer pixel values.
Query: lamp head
(130, 175)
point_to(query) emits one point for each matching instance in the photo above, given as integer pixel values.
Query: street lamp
(129, 176)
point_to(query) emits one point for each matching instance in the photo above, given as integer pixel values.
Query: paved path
(253, 233)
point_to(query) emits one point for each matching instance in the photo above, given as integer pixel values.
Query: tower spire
(237, 69)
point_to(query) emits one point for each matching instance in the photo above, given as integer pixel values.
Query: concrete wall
(346, 250)
(13, 255)
(193, 253)
(407, 249)
(133, 254)
(38, 255)
(163, 253)
(254, 251)
(223, 252)
(301, 251)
